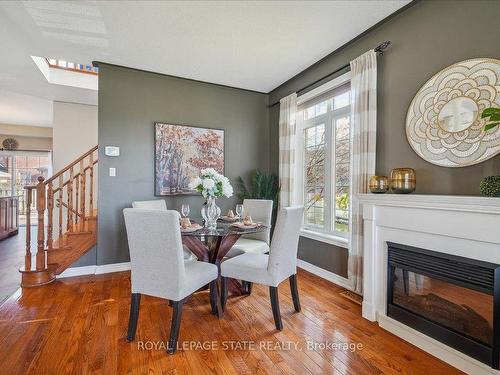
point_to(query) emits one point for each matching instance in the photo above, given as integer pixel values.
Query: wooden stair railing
(67, 201)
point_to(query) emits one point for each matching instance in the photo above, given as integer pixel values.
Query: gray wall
(130, 101)
(425, 38)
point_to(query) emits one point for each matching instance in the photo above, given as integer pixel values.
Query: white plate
(193, 228)
(228, 219)
(243, 226)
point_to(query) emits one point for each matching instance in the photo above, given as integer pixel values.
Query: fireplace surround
(450, 298)
(466, 227)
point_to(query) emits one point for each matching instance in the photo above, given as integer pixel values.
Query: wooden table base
(214, 252)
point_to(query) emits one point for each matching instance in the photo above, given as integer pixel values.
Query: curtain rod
(379, 49)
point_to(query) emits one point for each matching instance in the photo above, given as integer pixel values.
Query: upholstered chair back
(283, 251)
(156, 255)
(261, 210)
(158, 204)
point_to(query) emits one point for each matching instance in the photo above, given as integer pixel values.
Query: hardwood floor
(12, 251)
(79, 325)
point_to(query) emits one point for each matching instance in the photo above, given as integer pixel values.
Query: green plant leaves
(263, 185)
(490, 111)
(493, 114)
(490, 126)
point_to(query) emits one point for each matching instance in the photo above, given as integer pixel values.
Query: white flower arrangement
(212, 184)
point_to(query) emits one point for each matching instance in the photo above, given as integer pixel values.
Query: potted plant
(263, 185)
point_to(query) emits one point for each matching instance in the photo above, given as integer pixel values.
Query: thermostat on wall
(112, 151)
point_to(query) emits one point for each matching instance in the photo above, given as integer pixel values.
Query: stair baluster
(91, 173)
(50, 209)
(69, 208)
(40, 207)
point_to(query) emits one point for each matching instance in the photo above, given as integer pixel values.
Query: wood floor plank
(78, 326)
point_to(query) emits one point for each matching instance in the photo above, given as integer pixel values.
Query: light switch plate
(112, 151)
(112, 172)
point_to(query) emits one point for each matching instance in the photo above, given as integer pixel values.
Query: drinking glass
(185, 210)
(239, 211)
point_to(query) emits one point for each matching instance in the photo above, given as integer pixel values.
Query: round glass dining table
(212, 245)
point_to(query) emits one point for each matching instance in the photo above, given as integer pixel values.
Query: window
(324, 123)
(21, 168)
(66, 65)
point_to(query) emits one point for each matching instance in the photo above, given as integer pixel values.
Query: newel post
(27, 204)
(40, 207)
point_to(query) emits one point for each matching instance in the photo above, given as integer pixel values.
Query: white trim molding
(95, 270)
(330, 85)
(324, 274)
(458, 225)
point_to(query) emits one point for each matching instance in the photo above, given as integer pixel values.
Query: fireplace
(452, 299)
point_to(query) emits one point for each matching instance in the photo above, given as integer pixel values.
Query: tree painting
(181, 152)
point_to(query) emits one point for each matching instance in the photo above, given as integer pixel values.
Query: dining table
(212, 245)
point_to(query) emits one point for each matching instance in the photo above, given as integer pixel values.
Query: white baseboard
(115, 267)
(436, 348)
(327, 275)
(77, 271)
(95, 270)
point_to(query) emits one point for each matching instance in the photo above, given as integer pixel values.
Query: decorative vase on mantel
(210, 213)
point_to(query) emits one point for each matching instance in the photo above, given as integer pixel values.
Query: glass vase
(210, 213)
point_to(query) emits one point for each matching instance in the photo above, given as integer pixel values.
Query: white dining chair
(158, 268)
(157, 204)
(160, 204)
(272, 269)
(261, 210)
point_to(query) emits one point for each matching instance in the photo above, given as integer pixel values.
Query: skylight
(62, 72)
(74, 67)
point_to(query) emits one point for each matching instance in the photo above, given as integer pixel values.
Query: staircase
(66, 220)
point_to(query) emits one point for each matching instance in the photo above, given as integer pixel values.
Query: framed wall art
(181, 152)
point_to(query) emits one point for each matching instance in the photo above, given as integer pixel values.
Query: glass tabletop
(224, 229)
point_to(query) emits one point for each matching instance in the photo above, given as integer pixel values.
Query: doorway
(21, 168)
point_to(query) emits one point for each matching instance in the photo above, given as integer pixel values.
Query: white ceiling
(20, 109)
(246, 44)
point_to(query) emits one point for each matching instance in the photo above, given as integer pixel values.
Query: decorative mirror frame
(476, 80)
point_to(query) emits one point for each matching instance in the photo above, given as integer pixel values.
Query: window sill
(325, 237)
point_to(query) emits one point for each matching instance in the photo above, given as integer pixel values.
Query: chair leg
(214, 297)
(175, 326)
(223, 292)
(248, 287)
(135, 302)
(273, 292)
(295, 292)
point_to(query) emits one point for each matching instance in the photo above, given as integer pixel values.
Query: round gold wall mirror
(443, 123)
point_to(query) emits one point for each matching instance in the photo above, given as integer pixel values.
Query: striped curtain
(363, 137)
(287, 140)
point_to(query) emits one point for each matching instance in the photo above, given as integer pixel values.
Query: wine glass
(185, 210)
(239, 211)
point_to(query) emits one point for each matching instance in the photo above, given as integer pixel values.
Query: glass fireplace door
(463, 310)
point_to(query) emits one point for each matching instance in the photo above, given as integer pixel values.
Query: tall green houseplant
(262, 185)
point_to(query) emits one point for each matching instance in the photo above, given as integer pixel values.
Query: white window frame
(328, 236)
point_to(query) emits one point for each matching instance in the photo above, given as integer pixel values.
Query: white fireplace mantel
(466, 226)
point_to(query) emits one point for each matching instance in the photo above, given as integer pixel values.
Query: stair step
(77, 233)
(63, 248)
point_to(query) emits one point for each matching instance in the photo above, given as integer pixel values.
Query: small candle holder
(403, 180)
(379, 184)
